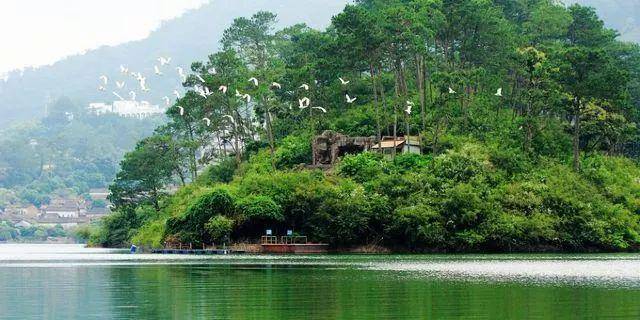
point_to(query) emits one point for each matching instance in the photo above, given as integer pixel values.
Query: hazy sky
(40, 32)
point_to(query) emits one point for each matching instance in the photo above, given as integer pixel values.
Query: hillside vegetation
(547, 163)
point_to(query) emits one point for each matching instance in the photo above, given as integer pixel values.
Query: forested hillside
(67, 152)
(186, 39)
(527, 115)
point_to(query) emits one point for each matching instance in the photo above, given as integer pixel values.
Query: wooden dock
(196, 251)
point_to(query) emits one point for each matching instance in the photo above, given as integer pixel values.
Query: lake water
(72, 282)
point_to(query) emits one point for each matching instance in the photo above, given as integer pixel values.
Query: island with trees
(525, 113)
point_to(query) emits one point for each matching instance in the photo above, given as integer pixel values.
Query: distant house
(97, 213)
(29, 211)
(99, 194)
(64, 208)
(409, 144)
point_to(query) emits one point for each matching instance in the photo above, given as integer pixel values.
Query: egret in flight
(230, 118)
(451, 91)
(207, 121)
(321, 109)
(212, 70)
(254, 80)
(276, 85)
(123, 69)
(181, 110)
(104, 79)
(200, 78)
(164, 61)
(349, 99)
(499, 92)
(304, 86)
(344, 82)
(120, 84)
(157, 70)
(223, 89)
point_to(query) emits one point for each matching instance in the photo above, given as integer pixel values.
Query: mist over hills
(191, 37)
(622, 15)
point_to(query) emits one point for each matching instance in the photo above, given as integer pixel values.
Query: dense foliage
(526, 111)
(69, 151)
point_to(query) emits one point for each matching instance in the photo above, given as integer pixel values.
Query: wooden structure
(291, 245)
(408, 144)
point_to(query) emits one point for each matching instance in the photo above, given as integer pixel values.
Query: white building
(127, 109)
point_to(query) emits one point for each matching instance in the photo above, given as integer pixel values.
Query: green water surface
(321, 287)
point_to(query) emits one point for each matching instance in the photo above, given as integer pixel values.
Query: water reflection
(334, 287)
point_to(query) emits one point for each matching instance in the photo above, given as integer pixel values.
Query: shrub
(418, 227)
(362, 167)
(220, 173)
(191, 226)
(219, 228)
(293, 150)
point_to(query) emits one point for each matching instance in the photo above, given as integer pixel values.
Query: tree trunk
(421, 90)
(376, 105)
(576, 135)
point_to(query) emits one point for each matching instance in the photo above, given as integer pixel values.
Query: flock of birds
(205, 92)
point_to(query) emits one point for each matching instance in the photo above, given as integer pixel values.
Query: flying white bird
(230, 118)
(163, 61)
(207, 91)
(408, 110)
(132, 95)
(350, 100)
(321, 109)
(451, 91)
(117, 95)
(304, 86)
(166, 99)
(499, 92)
(304, 102)
(123, 69)
(254, 80)
(238, 94)
(140, 77)
(201, 92)
(157, 70)
(276, 85)
(207, 121)
(120, 84)
(143, 86)
(200, 78)
(212, 71)
(181, 110)
(181, 74)
(102, 88)
(104, 79)
(410, 103)
(247, 97)
(223, 89)
(176, 93)
(344, 82)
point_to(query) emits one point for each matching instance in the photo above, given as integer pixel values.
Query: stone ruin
(330, 146)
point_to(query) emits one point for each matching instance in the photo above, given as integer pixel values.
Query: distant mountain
(191, 37)
(622, 15)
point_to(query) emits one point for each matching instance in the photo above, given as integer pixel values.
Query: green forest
(66, 153)
(526, 110)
